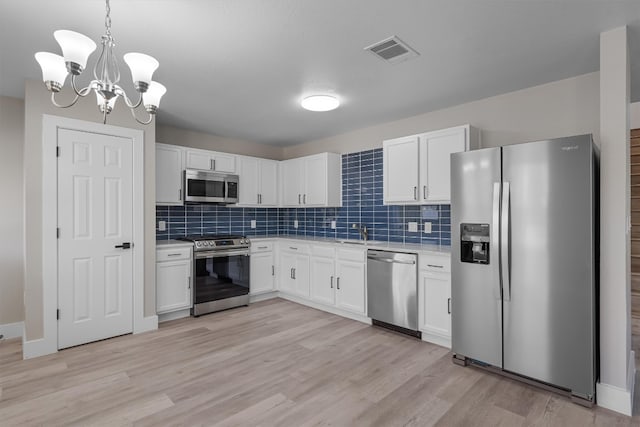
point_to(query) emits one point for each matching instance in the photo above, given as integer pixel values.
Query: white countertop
(160, 244)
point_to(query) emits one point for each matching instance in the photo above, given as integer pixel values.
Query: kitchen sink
(361, 242)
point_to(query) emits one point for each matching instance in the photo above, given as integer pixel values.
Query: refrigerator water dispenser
(474, 243)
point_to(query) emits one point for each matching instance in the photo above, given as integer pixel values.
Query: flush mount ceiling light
(76, 49)
(320, 103)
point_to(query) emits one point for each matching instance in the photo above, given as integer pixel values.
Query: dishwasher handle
(390, 260)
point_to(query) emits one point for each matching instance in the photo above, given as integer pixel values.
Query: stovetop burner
(207, 242)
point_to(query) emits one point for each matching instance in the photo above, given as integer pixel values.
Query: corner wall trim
(615, 398)
(145, 324)
(12, 330)
(37, 348)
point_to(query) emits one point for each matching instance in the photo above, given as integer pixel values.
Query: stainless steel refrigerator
(524, 261)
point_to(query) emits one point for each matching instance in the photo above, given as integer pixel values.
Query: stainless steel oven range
(220, 272)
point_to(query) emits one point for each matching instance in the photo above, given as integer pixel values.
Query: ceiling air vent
(392, 50)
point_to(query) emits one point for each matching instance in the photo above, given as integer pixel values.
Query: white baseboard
(37, 348)
(436, 339)
(263, 296)
(616, 398)
(329, 309)
(165, 317)
(146, 324)
(12, 330)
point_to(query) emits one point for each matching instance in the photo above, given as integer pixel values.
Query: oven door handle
(220, 254)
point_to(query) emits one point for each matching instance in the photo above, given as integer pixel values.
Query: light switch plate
(253, 223)
(412, 226)
(162, 225)
(333, 225)
(295, 223)
(427, 227)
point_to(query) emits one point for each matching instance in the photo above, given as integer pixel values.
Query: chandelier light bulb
(102, 102)
(54, 72)
(76, 47)
(151, 98)
(142, 67)
(320, 103)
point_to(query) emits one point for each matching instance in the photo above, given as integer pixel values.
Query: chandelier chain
(107, 19)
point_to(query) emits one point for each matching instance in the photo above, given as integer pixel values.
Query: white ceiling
(239, 68)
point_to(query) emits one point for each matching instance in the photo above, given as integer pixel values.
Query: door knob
(125, 245)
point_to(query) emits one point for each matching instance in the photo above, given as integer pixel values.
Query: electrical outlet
(162, 225)
(412, 226)
(333, 225)
(295, 223)
(253, 223)
(427, 227)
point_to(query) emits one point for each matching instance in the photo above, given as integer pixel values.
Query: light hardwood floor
(273, 363)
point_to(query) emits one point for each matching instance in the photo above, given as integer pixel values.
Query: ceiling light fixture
(320, 103)
(76, 49)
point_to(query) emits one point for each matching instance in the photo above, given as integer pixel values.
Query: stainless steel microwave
(210, 187)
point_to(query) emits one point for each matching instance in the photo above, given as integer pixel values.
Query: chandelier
(76, 49)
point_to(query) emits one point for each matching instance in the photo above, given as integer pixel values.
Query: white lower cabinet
(434, 292)
(262, 268)
(173, 279)
(294, 270)
(338, 278)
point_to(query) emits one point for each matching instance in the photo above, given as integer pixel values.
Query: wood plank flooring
(275, 363)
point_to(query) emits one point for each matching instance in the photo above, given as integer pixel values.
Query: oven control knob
(242, 241)
(206, 243)
(246, 241)
(198, 244)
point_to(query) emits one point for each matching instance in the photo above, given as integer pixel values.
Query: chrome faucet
(362, 229)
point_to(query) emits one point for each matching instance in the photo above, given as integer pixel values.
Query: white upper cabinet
(258, 182)
(400, 170)
(416, 169)
(312, 181)
(169, 175)
(210, 160)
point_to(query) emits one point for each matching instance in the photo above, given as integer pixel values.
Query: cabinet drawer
(357, 255)
(257, 247)
(174, 254)
(323, 251)
(295, 247)
(435, 263)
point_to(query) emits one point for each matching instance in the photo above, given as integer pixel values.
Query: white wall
(11, 210)
(37, 103)
(562, 108)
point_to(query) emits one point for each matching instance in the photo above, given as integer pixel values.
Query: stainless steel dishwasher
(392, 290)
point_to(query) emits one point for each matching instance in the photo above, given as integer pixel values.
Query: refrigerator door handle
(504, 243)
(495, 233)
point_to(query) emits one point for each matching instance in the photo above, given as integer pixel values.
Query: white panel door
(173, 286)
(168, 175)
(261, 272)
(285, 275)
(301, 275)
(323, 280)
(268, 183)
(400, 170)
(350, 286)
(292, 185)
(315, 180)
(436, 149)
(199, 160)
(95, 214)
(248, 193)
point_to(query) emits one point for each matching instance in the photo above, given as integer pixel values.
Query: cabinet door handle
(273, 270)
(424, 191)
(435, 266)
(338, 283)
(304, 199)
(294, 274)
(263, 247)
(174, 254)
(211, 165)
(415, 193)
(292, 248)
(449, 305)
(214, 164)
(180, 194)
(299, 199)
(331, 282)
(189, 282)
(291, 273)
(260, 199)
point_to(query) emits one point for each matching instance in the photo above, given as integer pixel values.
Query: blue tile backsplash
(361, 204)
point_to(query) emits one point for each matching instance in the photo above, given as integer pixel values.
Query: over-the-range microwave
(210, 187)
